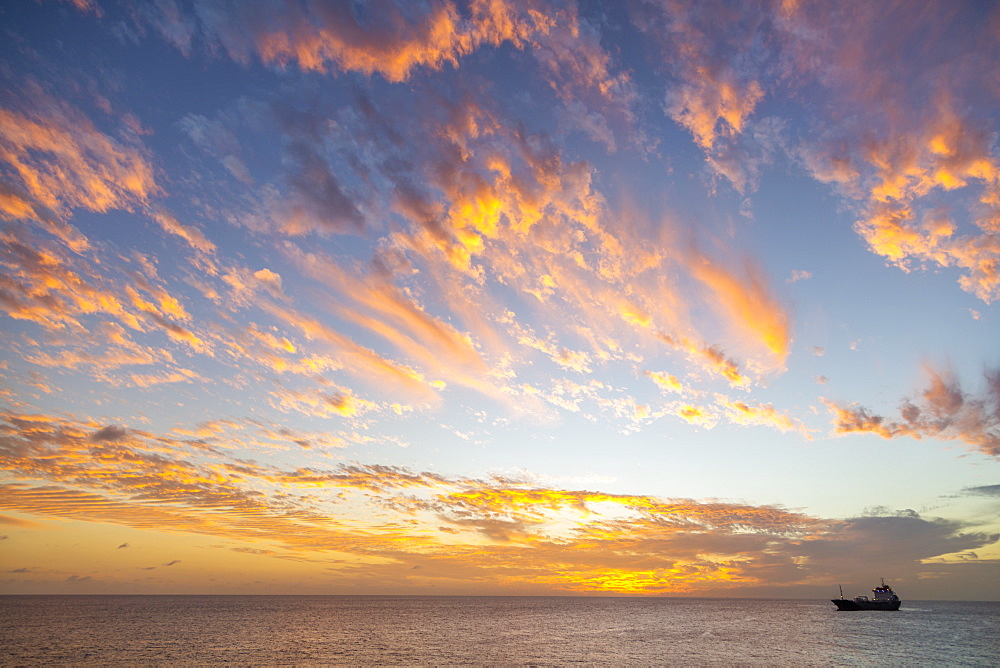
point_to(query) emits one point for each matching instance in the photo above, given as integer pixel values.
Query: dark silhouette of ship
(884, 599)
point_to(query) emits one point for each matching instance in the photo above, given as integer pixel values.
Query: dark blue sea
(497, 631)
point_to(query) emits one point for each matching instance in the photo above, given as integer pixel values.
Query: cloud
(163, 377)
(109, 433)
(983, 490)
(18, 522)
(94, 310)
(666, 382)
(318, 199)
(193, 236)
(716, 56)
(569, 359)
(920, 161)
(799, 275)
(392, 42)
(748, 302)
(322, 403)
(710, 358)
(696, 415)
(363, 362)
(711, 47)
(86, 6)
(484, 205)
(942, 411)
(270, 280)
(377, 304)
(214, 137)
(740, 412)
(714, 104)
(465, 221)
(45, 285)
(899, 543)
(597, 96)
(496, 532)
(903, 220)
(58, 161)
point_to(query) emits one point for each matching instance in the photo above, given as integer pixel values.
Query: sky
(659, 298)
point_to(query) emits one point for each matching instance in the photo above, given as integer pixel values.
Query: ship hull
(849, 604)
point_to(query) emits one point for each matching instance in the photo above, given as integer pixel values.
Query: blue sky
(679, 298)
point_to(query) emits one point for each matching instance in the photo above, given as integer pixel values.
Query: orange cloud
(104, 350)
(193, 236)
(903, 224)
(921, 164)
(740, 412)
(665, 381)
(271, 341)
(382, 308)
(707, 40)
(165, 377)
(44, 284)
(376, 520)
(426, 337)
(942, 411)
(713, 103)
(711, 358)
(322, 403)
(363, 362)
(695, 415)
(749, 305)
(716, 59)
(490, 205)
(58, 161)
(393, 43)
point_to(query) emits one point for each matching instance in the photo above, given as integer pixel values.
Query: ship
(884, 599)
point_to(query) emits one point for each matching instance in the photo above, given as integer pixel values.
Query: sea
(488, 631)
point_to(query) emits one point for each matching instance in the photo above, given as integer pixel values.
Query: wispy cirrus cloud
(374, 301)
(192, 235)
(748, 302)
(362, 361)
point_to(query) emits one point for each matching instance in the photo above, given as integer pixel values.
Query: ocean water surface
(473, 630)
